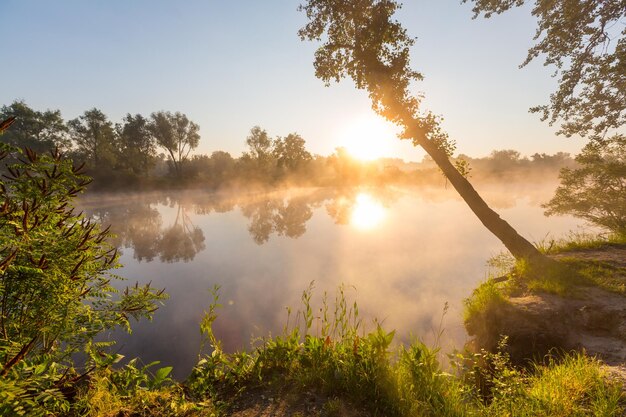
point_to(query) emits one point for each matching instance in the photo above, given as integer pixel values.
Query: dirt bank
(589, 318)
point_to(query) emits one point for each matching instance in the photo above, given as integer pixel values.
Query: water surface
(403, 254)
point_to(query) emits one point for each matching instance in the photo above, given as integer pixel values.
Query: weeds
(487, 297)
(580, 241)
(352, 371)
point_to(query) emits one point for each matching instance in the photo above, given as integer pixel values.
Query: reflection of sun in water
(367, 213)
(367, 138)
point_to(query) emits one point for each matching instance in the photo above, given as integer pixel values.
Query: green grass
(573, 386)
(580, 241)
(563, 278)
(485, 298)
(333, 355)
(354, 372)
(356, 369)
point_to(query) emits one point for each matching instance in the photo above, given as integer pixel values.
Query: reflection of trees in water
(138, 225)
(275, 215)
(288, 217)
(181, 241)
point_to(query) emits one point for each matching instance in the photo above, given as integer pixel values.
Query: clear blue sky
(230, 65)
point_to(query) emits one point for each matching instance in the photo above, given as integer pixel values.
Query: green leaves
(596, 190)
(55, 296)
(586, 44)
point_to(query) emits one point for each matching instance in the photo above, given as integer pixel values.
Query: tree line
(156, 151)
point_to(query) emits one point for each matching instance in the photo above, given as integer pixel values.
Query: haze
(233, 65)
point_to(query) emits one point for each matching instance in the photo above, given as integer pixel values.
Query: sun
(367, 138)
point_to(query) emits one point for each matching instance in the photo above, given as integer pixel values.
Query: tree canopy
(176, 134)
(585, 40)
(136, 145)
(596, 190)
(39, 130)
(94, 136)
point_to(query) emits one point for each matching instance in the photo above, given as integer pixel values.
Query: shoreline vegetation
(327, 362)
(56, 269)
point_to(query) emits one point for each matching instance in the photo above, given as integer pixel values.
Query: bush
(55, 272)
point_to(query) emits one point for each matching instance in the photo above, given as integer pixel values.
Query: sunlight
(367, 213)
(368, 138)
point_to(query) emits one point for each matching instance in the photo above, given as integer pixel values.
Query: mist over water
(401, 253)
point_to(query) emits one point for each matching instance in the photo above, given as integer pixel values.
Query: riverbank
(341, 370)
(326, 363)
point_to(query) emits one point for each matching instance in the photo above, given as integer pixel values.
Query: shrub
(55, 273)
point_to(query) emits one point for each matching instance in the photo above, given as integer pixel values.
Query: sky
(231, 65)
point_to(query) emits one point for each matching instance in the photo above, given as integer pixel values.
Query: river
(403, 254)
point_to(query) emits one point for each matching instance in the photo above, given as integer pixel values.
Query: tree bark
(519, 247)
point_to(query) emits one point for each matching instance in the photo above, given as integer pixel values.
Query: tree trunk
(519, 247)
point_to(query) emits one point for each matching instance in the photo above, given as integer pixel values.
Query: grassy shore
(344, 369)
(328, 363)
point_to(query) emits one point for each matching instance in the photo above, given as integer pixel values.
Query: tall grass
(575, 241)
(330, 351)
(354, 371)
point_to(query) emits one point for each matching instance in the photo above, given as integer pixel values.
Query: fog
(402, 254)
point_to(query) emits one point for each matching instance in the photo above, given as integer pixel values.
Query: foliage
(365, 43)
(132, 161)
(586, 43)
(574, 386)
(290, 152)
(94, 136)
(176, 134)
(40, 131)
(136, 146)
(55, 272)
(596, 191)
(135, 391)
(328, 351)
(259, 160)
(581, 241)
(485, 298)
(333, 355)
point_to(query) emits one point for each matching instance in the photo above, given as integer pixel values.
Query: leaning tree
(361, 40)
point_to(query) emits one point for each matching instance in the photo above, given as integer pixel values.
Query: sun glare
(367, 138)
(367, 213)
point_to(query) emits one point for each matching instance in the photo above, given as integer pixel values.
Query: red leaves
(4, 125)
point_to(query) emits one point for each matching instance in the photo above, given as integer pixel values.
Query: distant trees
(259, 160)
(271, 159)
(40, 131)
(176, 134)
(214, 171)
(126, 154)
(290, 152)
(596, 190)
(94, 138)
(136, 145)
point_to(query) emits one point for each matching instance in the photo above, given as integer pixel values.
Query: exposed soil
(591, 319)
(612, 254)
(266, 402)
